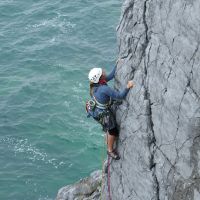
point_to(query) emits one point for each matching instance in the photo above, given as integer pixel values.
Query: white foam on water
(23, 146)
(57, 22)
(67, 104)
(6, 2)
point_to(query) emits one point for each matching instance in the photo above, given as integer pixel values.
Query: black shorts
(108, 122)
(114, 132)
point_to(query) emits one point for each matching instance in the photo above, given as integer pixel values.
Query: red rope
(108, 179)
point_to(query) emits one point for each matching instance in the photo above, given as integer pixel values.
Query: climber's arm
(116, 94)
(112, 74)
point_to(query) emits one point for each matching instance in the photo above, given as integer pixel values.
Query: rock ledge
(86, 189)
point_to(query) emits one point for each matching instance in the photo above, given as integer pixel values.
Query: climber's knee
(113, 132)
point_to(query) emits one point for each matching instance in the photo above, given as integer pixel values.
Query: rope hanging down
(102, 157)
(108, 173)
(108, 179)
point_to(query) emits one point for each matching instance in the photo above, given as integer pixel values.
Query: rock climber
(102, 96)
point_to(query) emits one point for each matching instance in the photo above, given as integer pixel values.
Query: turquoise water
(47, 49)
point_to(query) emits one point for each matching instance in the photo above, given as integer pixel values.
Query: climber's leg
(110, 142)
(111, 138)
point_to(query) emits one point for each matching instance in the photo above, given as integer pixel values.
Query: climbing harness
(100, 105)
(92, 104)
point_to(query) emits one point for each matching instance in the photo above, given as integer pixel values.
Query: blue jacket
(103, 93)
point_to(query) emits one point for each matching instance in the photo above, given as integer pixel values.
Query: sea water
(46, 51)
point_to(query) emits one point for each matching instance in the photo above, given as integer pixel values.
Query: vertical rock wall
(159, 121)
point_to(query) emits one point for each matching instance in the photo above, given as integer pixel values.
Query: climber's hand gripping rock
(130, 84)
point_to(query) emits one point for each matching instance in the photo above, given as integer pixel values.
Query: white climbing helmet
(95, 74)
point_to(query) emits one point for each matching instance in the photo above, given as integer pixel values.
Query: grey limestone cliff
(159, 121)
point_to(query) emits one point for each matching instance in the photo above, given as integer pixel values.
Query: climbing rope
(102, 157)
(108, 171)
(108, 179)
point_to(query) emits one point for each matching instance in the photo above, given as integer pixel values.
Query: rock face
(86, 189)
(159, 121)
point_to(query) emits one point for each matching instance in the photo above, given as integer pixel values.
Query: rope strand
(108, 178)
(102, 157)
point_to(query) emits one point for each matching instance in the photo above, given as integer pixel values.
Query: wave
(58, 22)
(29, 151)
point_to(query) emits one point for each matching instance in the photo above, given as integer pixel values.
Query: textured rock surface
(160, 119)
(87, 189)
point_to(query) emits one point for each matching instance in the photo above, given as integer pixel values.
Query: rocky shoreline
(86, 189)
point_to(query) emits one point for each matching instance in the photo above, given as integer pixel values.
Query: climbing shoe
(114, 155)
